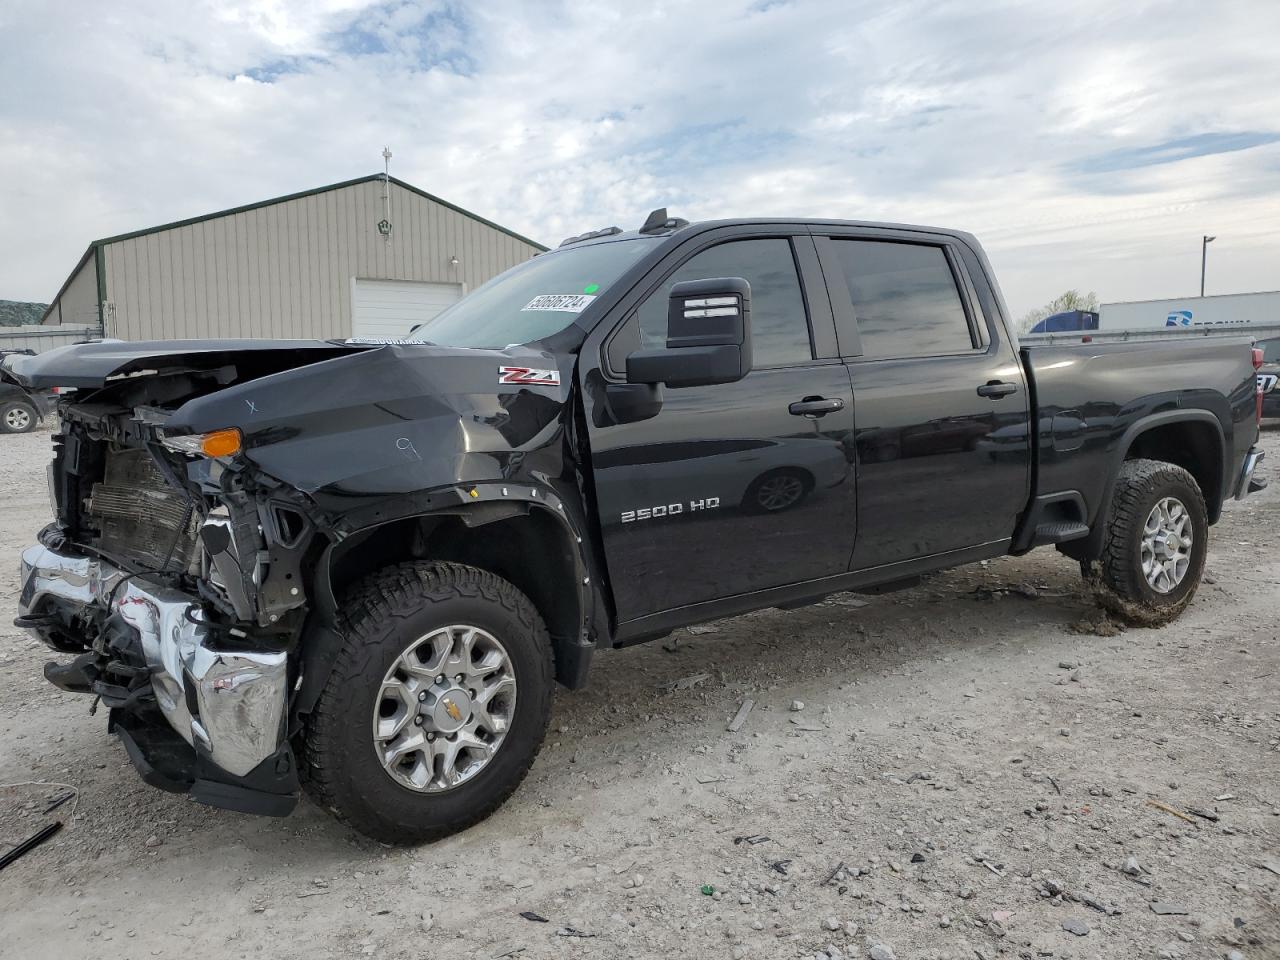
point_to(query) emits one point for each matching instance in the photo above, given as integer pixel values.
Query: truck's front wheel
(1154, 544)
(436, 706)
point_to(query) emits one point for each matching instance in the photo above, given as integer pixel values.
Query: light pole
(1204, 252)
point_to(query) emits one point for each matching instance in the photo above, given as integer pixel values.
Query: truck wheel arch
(1191, 439)
(529, 542)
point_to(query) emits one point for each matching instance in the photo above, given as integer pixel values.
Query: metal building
(365, 258)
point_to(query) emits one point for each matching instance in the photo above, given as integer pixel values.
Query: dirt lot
(968, 777)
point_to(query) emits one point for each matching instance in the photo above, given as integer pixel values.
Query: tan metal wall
(42, 338)
(285, 270)
(78, 305)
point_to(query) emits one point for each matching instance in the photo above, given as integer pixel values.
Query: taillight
(1257, 365)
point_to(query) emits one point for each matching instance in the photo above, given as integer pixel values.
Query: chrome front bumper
(1246, 483)
(228, 704)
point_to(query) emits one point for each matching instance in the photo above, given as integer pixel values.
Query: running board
(1047, 533)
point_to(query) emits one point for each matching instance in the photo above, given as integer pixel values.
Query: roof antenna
(658, 220)
(384, 225)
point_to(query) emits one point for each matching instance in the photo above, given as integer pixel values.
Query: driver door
(732, 488)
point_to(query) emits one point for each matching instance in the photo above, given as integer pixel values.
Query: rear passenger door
(940, 404)
(730, 488)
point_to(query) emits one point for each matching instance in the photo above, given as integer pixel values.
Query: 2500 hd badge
(668, 510)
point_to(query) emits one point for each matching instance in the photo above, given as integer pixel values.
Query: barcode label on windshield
(560, 302)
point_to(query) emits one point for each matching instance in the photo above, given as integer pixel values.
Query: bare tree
(1071, 300)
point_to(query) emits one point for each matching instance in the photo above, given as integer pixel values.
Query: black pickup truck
(360, 568)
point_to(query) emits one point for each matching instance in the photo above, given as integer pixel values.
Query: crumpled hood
(353, 423)
(91, 364)
(397, 419)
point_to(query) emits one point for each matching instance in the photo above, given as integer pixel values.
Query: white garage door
(391, 308)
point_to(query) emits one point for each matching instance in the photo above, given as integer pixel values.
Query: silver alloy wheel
(1167, 537)
(444, 708)
(17, 418)
(780, 492)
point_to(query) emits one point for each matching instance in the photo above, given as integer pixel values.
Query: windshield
(535, 299)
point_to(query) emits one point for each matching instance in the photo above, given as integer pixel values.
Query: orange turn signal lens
(221, 443)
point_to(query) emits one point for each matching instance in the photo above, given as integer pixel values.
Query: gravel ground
(969, 769)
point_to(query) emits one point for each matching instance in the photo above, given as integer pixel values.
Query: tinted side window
(779, 324)
(904, 299)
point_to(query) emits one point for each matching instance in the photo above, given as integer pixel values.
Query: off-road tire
(10, 408)
(1116, 574)
(380, 617)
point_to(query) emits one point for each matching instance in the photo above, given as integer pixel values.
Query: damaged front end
(212, 498)
(173, 571)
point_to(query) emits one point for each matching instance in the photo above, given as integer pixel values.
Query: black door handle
(815, 407)
(995, 389)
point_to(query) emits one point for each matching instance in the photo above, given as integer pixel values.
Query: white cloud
(1022, 122)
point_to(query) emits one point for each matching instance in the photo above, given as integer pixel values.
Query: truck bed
(1093, 399)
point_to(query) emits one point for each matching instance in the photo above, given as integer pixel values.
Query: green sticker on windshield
(591, 288)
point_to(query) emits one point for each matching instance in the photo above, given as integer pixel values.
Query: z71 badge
(549, 378)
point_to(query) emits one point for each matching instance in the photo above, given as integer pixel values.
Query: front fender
(476, 505)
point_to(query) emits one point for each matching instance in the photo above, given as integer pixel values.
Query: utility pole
(1204, 252)
(384, 225)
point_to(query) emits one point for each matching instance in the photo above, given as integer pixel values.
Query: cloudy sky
(1088, 144)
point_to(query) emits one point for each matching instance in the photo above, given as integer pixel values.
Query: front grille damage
(142, 519)
(177, 582)
(234, 540)
(223, 550)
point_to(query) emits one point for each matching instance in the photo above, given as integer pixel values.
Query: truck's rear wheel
(1154, 544)
(436, 707)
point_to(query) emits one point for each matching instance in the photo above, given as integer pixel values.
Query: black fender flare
(1092, 545)
(476, 504)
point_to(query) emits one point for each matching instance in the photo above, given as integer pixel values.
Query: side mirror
(708, 336)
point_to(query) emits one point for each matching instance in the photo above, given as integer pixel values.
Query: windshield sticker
(378, 341)
(528, 375)
(560, 302)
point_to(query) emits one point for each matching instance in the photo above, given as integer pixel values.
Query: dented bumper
(1249, 482)
(226, 704)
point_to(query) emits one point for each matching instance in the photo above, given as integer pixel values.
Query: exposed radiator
(142, 520)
